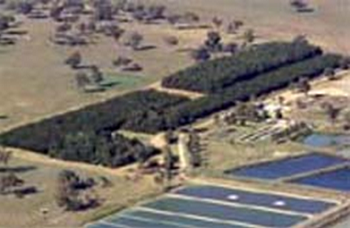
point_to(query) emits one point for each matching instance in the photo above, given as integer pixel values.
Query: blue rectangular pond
(225, 213)
(273, 201)
(288, 167)
(211, 206)
(160, 218)
(338, 180)
(327, 140)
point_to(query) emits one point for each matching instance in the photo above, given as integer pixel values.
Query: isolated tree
(303, 86)
(201, 54)
(217, 22)
(330, 73)
(331, 111)
(246, 112)
(117, 33)
(347, 121)
(134, 40)
(140, 14)
(91, 26)
(213, 41)
(96, 74)
(133, 67)
(233, 26)
(299, 5)
(122, 61)
(155, 12)
(191, 17)
(195, 149)
(55, 12)
(4, 22)
(66, 195)
(249, 36)
(8, 181)
(25, 7)
(65, 27)
(82, 80)
(231, 48)
(74, 60)
(171, 40)
(169, 163)
(344, 63)
(105, 182)
(301, 39)
(103, 11)
(5, 156)
(173, 19)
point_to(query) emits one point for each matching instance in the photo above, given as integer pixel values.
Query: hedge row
(100, 149)
(216, 75)
(107, 116)
(190, 111)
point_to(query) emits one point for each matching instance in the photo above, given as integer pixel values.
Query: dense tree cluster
(241, 91)
(87, 134)
(218, 74)
(112, 150)
(257, 86)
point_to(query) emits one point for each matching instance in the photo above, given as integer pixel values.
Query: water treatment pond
(327, 140)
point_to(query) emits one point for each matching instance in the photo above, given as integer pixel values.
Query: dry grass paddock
(42, 172)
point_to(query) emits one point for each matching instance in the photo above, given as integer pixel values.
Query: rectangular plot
(103, 225)
(338, 180)
(224, 212)
(273, 201)
(142, 223)
(288, 167)
(191, 222)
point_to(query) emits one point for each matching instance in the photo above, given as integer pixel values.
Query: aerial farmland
(174, 114)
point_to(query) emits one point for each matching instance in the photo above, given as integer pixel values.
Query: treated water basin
(338, 180)
(268, 200)
(288, 167)
(226, 213)
(327, 140)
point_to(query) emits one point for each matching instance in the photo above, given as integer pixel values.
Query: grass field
(42, 173)
(327, 26)
(34, 81)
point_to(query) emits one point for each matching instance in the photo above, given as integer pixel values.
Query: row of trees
(119, 112)
(244, 90)
(111, 150)
(215, 75)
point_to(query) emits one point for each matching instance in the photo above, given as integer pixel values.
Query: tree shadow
(3, 117)
(16, 32)
(146, 47)
(109, 84)
(18, 169)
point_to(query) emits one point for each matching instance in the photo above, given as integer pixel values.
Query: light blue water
(327, 140)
